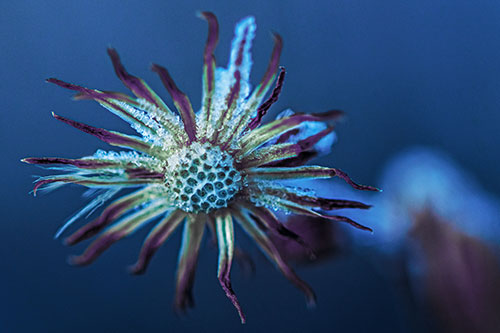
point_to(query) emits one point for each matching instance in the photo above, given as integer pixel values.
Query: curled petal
(291, 173)
(131, 170)
(188, 256)
(85, 163)
(308, 129)
(209, 65)
(272, 253)
(241, 257)
(301, 204)
(326, 203)
(225, 239)
(143, 173)
(227, 114)
(310, 142)
(91, 181)
(302, 172)
(348, 180)
(263, 134)
(262, 110)
(308, 150)
(286, 153)
(208, 54)
(106, 100)
(272, 66)
(181, 101)
(297, 209)
(110, 95)
(137, 85)
(269, 155)
(260, 91)
(111, 137)
(313, 201)
(155, 239)
(110, 214)
(268, 221)
(121, 229)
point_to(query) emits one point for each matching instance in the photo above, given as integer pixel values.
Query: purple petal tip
(75, 260)
(136, 269)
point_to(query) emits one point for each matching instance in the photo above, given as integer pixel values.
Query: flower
(201, 169)
(458, 275)
(437, 241)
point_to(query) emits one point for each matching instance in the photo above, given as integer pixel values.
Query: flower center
(202, 178)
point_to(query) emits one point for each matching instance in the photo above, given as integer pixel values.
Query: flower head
(441, 231)
(208, 168)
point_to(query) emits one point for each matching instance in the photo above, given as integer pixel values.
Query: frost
(305, 130)
(202, 178)
(88, 209)
(224, 77)
(126, 157)
(259, 194)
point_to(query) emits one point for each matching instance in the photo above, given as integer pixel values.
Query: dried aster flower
(202, 169)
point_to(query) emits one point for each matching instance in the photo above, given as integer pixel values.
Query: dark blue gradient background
(406, 72)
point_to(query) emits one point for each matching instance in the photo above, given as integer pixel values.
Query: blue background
(406, 72)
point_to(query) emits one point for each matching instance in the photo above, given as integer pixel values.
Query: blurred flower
(424, 179)
(446, 228)
(460, 275)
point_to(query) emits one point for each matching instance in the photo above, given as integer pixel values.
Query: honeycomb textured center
(202, 178)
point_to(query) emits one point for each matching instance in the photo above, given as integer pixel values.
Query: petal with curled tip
(111, 137)
(291, 173)
(110, 95)
(341, 174)
(93, 181)
(309, 148)
(270, 154)
(262, 110)
(301, 210)
(269, 222)
(108, 101)
(263, 134)
(209, 64)
(313, 201)
(181, 101)
(119, 230)
(225, 241)
(272, 67)
(272, 253)
(143, 173)
(110, 214)
(83, 163)
(188, 256)
(302, 172)
(242, 123)
(135, 84)
(156, 238)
